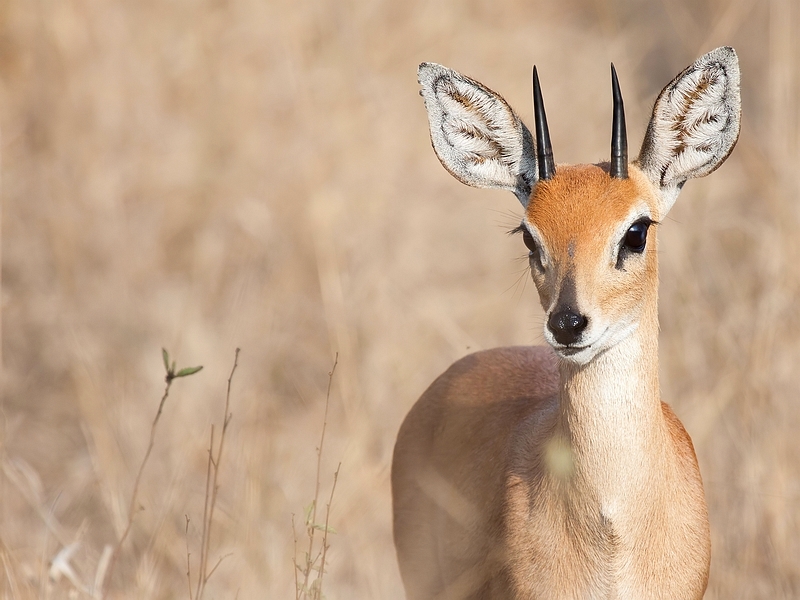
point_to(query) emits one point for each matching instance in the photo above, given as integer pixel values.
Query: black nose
(566, 326)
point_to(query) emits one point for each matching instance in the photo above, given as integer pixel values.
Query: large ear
(695, 124)
(475, 134)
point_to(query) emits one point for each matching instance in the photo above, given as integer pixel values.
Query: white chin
(580, 355)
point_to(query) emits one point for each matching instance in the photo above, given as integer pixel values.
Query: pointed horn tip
(615, 83)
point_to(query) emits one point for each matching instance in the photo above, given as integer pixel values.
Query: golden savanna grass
(210, 175)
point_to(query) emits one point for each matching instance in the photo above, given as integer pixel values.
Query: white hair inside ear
(695, 124)
(475, 134)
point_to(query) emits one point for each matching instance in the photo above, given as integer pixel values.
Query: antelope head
(589, 229)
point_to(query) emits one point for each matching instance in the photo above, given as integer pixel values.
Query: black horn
(544, 150)
(619, 136)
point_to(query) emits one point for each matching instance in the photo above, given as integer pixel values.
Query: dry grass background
(212, 174)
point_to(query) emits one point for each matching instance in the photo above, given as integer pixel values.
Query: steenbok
(558, 472)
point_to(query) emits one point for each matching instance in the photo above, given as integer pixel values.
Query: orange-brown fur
(521, 475)
(581, 206)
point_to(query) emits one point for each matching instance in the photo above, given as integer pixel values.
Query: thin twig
(325, 531)
(310, 525)
(294, 562)
(219, 562)
(171, 375)
(188, 561)
(324, 426)
(215, 464)
(134, 495)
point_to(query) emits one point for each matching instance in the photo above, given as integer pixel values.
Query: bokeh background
(202, 175)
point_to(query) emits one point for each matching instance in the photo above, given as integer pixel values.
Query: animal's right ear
(475, 134)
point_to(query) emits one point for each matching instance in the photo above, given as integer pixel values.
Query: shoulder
(681, 440)
(503, 373)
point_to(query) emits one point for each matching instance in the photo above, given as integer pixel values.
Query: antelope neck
(611, 416)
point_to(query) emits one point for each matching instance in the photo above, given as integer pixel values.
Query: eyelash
(533, 248)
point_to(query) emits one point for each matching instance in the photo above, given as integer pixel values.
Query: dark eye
(527, 238)
(636, 237)
(535, 256)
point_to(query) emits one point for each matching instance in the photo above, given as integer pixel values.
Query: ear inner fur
(476, 135)
(695, 123)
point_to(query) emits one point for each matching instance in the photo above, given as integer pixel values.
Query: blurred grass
(206, 175)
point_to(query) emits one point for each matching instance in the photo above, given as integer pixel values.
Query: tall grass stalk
(314, 559)
(171, 375)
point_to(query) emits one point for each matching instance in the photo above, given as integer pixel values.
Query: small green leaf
(320, 527)
(165, 355)
(172, 370)
(188, 371)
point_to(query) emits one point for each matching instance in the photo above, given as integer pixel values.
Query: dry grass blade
(22, 476)
(10, 571)
(206, 502)
(212, 487)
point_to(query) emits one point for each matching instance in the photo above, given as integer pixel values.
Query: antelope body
(557, 472)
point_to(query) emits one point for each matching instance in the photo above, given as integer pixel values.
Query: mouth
(571, 350)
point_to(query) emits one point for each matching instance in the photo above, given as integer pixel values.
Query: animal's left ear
(695, 124)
